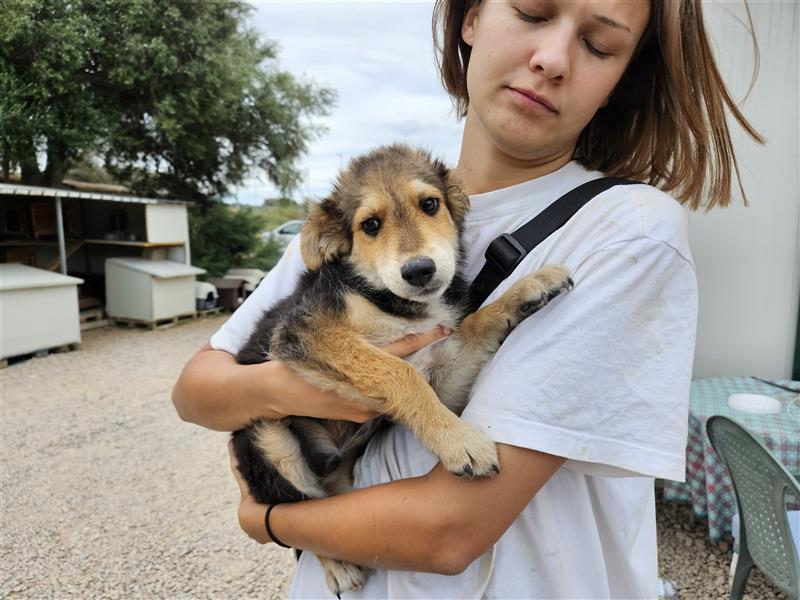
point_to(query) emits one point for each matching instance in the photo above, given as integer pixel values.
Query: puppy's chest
(380, 328)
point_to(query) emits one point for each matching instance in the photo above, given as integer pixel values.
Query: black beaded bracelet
(269, 529)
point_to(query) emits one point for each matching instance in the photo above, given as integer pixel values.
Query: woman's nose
(551, 56)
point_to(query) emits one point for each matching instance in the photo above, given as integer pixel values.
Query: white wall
(167, 223)
(748, 259)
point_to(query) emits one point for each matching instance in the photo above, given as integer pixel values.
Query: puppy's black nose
(418, 271)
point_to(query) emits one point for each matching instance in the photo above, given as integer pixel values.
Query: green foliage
(222, 238)
(180, 98)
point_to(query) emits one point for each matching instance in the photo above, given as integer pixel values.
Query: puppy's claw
(466, 470)
(465, 451)
(541, 287)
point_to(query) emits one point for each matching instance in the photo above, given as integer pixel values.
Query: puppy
(383, 257)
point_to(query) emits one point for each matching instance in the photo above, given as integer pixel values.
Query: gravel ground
(107, 494)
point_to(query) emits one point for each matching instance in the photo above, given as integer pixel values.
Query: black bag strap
(507, 251)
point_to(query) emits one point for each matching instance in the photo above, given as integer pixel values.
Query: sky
(378, 56)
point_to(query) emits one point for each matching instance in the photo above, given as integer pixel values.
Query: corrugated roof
(14, 189)
(16, 276)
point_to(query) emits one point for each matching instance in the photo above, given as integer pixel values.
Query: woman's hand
(250, 513)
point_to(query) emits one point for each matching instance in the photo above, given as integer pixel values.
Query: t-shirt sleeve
(278, 284)
(601, 375)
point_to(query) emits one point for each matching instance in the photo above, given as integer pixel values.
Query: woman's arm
(215, 391)
(437, 523)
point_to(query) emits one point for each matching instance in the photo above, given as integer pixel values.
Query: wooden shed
(149, 291)
(38, 310)
(75, 232)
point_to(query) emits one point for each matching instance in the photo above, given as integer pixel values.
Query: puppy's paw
(343, 576)
(542, 286)
(467, 452)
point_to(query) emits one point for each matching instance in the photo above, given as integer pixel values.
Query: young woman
(587, 399)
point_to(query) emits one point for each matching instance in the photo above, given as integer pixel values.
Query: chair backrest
(760, 483)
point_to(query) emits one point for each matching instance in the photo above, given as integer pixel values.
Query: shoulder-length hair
(665, 122)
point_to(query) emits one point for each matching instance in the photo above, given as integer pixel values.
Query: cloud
(378, 56)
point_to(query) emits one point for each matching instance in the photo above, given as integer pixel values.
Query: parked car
(284, 233)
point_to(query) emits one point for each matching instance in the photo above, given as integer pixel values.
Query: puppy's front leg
(480, 334)
(486, 328)
(344, 362)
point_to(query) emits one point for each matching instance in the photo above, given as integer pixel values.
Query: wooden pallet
(92, 319)
(38, 354)
(155, 324)
(207, 312)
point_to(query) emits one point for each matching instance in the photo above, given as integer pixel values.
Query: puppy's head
(395, 215)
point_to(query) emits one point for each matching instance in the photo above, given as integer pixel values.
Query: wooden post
(62, 252)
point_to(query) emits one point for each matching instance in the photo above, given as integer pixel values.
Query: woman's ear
(457, 200)
(469, 23)
(325, 235)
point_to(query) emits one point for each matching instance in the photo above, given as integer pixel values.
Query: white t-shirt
(600, 376)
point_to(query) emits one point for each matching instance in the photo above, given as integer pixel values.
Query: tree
(178, 98)
(223, 238)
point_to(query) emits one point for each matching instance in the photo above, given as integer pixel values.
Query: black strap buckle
(505, 253)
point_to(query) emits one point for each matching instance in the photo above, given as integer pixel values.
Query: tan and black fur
(384, 260)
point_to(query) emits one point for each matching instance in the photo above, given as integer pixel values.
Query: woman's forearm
(380, 527)
(215, 391)
(437, 523)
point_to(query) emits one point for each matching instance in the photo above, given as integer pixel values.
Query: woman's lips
(533, 99)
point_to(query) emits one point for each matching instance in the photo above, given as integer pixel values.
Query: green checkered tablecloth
(708, 486)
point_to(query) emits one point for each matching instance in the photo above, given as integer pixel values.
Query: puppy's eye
(429, 205)
(371, 226)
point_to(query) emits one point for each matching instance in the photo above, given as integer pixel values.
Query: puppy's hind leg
(272, 463)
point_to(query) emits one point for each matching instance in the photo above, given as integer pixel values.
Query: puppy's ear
(325, 234)
(457, 200)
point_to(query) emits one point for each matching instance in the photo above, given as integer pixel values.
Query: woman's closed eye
(529, 18)
(590, 47)
(594, 50)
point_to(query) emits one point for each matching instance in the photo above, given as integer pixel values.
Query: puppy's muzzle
(418, 271)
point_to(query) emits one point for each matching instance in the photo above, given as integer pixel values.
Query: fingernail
(446, 331)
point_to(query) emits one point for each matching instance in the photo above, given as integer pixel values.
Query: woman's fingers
(415, 341)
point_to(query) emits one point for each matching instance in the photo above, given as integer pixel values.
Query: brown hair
(665, 122)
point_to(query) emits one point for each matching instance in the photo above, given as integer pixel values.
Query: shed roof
(16, 276)
(14, 189)
(161, 269)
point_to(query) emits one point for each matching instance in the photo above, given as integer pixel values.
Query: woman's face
(540, 69)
